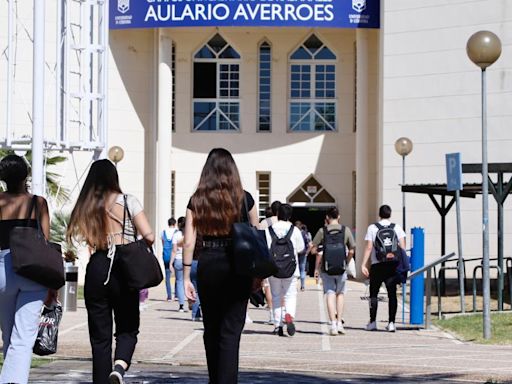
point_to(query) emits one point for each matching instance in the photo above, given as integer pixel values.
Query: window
(264, 81)
(312, 87)
(263, 185)
(173, 193)
(173, 71)
(216, 87)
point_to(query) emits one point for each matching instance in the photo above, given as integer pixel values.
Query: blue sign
(453, 172)
(125, 14)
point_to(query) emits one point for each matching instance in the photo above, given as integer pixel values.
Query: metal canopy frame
(443, 207)
(499, 189)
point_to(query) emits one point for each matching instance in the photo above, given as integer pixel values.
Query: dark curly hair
(13, 171)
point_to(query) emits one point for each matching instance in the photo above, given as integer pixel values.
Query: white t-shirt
(176, 238)
(372, 233)
(281, 229)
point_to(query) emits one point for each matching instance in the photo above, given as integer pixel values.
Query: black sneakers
(116, 376)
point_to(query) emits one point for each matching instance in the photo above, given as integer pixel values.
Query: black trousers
(101, 300)
(383, 273)
(224, 297)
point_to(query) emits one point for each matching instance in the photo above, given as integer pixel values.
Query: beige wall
(431, 94)
(290, 157)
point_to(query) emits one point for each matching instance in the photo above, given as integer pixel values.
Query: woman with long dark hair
(217, 203)
(98, 219)
(21, 299)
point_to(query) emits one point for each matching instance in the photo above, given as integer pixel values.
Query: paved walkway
(170, 349)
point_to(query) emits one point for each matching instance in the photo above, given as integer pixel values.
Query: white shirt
(169, 233)
(281, 228)
(176, 238)
(372, 233)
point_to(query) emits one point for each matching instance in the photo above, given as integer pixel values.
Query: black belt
(217, 243)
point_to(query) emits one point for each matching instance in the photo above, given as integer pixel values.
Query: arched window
(216, 87)
(312, 96)
(264, 84)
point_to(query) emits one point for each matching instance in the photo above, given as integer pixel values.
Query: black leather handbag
(136, 261)
(33, 256)
(251, 255)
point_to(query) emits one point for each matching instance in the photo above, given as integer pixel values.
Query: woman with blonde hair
(217, 203)
(100, 219)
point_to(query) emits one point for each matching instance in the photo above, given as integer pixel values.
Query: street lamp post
(115, 154)
(403, 146)
(484, 48)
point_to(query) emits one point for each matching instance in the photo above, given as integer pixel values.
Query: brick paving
(170, 349)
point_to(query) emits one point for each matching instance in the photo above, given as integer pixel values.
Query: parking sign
(453, 172)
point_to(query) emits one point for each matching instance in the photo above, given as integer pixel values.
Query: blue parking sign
(453, 172)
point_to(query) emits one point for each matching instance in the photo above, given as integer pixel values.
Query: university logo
(123, 6)
(359, 5)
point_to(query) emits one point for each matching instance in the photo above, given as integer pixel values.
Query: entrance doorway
(313, 218)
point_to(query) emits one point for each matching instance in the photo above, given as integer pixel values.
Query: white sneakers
(341, 329)
(371, 326)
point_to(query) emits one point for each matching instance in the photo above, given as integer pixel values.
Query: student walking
(285, 242)
(217, 203)
(337, 250)
(384, 241)
(167, 235)
(177, 262)
(97, 219)
(21, 299)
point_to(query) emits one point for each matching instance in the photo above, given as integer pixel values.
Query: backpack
(167, 247)
(334, 252)
(283, 253)
(386, 243)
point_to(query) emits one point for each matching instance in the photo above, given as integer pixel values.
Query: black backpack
(283, 253)
(334, 251)
(386, 243)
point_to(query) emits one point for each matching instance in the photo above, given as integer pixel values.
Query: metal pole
(485, 217)
(38, 100)
(501, 282)
(403, 193)
(403, 221)
(461, 259)
(10, 70)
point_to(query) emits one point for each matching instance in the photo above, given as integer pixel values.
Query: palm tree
(59, 193)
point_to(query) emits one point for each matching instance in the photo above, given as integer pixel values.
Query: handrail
(428, 268)
(431, 265)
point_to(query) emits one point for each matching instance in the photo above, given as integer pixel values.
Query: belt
(217, 243)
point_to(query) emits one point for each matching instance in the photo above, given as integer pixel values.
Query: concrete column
(163, 134)
(38, 100)
(363, 146)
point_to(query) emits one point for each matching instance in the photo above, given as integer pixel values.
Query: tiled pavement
(170, 349)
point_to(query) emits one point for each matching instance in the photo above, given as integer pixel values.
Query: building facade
(310, 112)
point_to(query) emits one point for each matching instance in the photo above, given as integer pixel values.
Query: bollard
(68, 293)
(418, 283)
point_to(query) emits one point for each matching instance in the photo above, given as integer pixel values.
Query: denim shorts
(334, 284)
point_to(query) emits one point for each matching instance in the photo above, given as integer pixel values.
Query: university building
(309, 96)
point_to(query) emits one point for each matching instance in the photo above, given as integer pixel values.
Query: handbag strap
(126, 210)
(34, 207)
(245, 208)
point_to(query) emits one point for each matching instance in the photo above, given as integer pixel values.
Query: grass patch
(470, 328)
(35, 362)
(80, 292)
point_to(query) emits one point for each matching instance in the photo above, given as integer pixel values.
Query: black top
(7, 225)
(243, 213)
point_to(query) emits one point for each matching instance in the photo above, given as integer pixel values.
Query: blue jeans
(21, 301)
(196, 307)
(180, 289)
(168, 280)
(302, 269)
